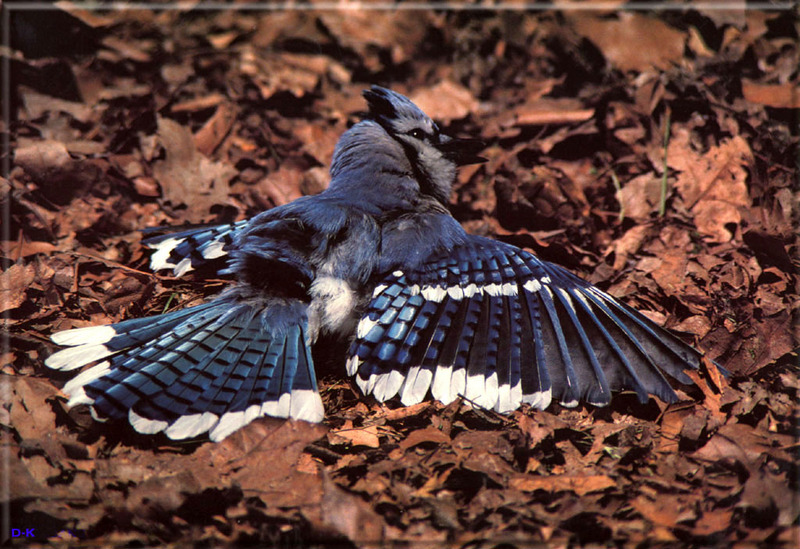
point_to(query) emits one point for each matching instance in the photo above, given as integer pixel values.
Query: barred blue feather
(213, 367)
(189, 249)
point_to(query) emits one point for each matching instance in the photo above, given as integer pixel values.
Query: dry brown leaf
(672, 423)
(734, 441)
(355, 436)
(17, 250)
(128, 49)
(780, 96)
(581, 485)
(185, 175)
(287, 73)
(31, 416)
(91, 18)
(43, 159)
(698, 325)
(773, 339)
(667, 510)
(633, 42)
(199, 103)
(627, 245)
(639, 197)
(208, 138)
(535, 430)
(718, 174)
(420, 436)
(668, 270)
(714, 218)
(712, 399)
(318, 140)
(550, 111)
(14, 282)
(712, 522)
(366, 30)
(223, 40)
(281, 187)
(37, 105)
(449, 100)
(713, 184)
(348, 515)
(265, 450)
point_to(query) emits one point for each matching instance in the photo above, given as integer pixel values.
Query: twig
(662, 203)
(618, 187)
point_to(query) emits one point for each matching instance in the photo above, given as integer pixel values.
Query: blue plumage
(378, 262)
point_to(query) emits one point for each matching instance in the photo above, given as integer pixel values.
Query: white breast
(333, 303)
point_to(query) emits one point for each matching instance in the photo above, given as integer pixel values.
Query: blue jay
(377, 261)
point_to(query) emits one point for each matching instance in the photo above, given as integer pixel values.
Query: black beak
(463, 151)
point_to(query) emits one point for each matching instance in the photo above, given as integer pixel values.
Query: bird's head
(410, 140)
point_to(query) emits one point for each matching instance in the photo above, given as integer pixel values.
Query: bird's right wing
(494, 324)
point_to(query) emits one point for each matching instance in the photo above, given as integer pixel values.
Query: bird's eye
(416, 134)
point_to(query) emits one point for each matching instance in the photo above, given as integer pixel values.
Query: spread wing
(491, 322)
(186, 250)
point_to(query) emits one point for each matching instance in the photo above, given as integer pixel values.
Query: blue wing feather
(517, 329)
(213, 367)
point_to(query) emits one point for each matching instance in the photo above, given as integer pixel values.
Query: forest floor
(654, 153)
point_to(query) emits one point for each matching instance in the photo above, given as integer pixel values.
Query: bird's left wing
(491, 322)
(186, 250)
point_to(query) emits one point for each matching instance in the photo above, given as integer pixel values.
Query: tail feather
(211, 368)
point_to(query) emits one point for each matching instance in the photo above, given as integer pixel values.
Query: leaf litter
(183, 116)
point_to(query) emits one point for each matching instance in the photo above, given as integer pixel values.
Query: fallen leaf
(186, 176)
(449, 100)
(348, 515)
(633, 42)
(712, 522)
(780, 96)
(208, 138)
(199, 103)
(549, 111)
(713, 185)
(14, 282)
(640, 197)
(666, 510)
(627, 245)
(362, 436)
(698, 325)
(421, 436)
(735, 441)
(17, 250)
(581, 485)
(43, 159)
